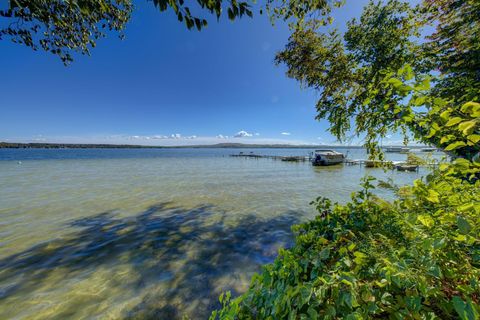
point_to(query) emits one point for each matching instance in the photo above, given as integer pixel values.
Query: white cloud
(221, 136)
(173, 136)
(242, 134)
(285, 133)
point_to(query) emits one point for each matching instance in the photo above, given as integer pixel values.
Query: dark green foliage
(184, 13)
(60, 26)
(66, 26)
(454, 47)
(415, 258)
(353, 72)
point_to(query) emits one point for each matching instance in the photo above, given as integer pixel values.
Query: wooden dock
(394, 165)
(398, 165)
(282, 158)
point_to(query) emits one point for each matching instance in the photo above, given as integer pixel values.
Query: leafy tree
(60, 26)
(347, 70)
(350, 72)
(66, 26)
(454, 47)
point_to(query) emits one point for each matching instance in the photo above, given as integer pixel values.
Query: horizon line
(40, 145)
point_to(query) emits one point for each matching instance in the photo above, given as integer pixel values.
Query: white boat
(327, 158)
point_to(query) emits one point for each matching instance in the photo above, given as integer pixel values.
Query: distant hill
(13, 145)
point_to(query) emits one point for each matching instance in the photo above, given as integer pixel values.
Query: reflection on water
(182, 256)
(149, 234)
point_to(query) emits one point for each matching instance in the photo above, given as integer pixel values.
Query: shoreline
(14, 145)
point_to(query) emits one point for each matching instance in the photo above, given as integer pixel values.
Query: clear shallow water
(150, 233)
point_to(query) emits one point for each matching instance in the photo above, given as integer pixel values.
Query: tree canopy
(353, 72)
(63, 27)
(454, 48)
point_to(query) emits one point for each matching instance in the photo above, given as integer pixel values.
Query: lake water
(150, 233)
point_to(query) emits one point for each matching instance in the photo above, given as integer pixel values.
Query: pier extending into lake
(282, 158)
(404, 166)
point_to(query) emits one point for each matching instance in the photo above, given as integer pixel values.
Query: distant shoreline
(13, 145)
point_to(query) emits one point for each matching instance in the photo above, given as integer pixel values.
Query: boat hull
(326, 162)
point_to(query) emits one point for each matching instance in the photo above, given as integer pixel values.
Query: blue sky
(163, 85)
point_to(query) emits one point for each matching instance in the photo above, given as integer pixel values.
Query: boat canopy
(327, 152)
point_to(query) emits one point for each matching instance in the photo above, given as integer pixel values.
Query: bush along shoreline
(415, 258)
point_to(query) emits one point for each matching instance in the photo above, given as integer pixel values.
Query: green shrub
(415, 258)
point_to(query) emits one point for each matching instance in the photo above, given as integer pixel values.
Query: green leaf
(312, 313)
(408, 72)
(444, 166)
(433, 196)
(230, 13)
(419, 101)
(439, 102)
(324, 254)
(426, 220)
(445, 115)
(447, 138)
(431, 133)
(474, 138)
(463, 225)
(395, 82)
(466, 207)
(459, 306)
(467, 126)
(453, 121)
(472, 108)
(455, 145)
(414, 303)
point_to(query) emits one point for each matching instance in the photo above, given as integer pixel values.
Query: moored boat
(327, 158)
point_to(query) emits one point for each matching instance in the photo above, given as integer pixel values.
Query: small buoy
(19, 162)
